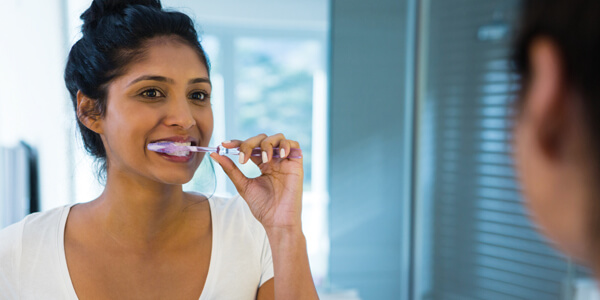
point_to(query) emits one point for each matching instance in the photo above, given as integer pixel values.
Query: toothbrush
(170, 147)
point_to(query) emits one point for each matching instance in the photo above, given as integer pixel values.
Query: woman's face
(164, 97)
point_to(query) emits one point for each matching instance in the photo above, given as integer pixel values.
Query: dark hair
(572, 25)
(115, 34)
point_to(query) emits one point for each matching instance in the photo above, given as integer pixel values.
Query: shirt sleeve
(10, 245)
(260, 241)
(266, 260)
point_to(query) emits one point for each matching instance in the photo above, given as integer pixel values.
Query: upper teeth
(176, 143)
(183, 144)
(178, 153)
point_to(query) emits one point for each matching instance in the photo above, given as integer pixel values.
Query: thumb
(233, 172)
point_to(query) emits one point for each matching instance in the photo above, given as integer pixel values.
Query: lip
(177, 159)
(176, 139)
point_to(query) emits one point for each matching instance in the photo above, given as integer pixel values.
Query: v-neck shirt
(33, 264)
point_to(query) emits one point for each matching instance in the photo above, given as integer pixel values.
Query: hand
(275, 197)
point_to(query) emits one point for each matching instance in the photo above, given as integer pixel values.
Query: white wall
(34, 105)
(282, 14)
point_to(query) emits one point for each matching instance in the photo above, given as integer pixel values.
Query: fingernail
(282, 153)
(241, 157)
(226, 142)
(265, 157)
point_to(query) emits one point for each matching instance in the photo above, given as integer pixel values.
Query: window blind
(481, 244)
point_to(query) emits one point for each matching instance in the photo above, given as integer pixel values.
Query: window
(271, 84)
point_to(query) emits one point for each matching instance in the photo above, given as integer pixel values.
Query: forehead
(169, 57)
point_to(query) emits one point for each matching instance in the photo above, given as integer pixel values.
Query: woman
(139, 75)
(557, 136)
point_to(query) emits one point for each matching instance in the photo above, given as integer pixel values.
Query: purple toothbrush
(179, 150)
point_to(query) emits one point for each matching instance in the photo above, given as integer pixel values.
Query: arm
(290, 262)
(293, 279)
(275, 199)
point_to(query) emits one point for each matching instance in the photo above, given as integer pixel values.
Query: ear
(547, 102)
(87, 113)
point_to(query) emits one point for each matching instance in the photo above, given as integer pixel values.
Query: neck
(137, 212)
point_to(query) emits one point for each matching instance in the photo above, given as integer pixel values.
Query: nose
(180, 114)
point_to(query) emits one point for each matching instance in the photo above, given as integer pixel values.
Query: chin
(575, 250)
(567, 236)
(174, 178)
(178, 173)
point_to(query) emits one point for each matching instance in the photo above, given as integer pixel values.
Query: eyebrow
(169, 80)
(200, 80)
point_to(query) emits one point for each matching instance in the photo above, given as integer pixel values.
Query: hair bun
(102, 8)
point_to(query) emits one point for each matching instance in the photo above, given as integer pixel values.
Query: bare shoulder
(196, 202)
(80, 216)
(197, 210)
(195, 197)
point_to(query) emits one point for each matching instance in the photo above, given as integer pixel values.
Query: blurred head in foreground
(557, 132)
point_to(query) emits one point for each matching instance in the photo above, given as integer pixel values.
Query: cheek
(544, 194)
(529, 172)
(126, 130)
(205, 123)
(521, 156)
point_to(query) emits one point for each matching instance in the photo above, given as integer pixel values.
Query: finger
(248, 145)
(284, 148)
(234, 144)
(257, 160)
(240, 181)
(294, 145)
(268, 144)
(231, 144)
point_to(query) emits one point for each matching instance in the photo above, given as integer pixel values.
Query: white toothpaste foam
(181, 153)
(178, 153)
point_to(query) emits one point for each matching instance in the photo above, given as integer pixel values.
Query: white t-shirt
(33, 263)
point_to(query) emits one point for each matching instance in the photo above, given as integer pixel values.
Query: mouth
(178, 156)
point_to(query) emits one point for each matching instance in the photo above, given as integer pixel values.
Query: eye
(152, 93)
(199, 96)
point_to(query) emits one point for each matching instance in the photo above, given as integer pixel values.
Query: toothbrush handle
(294, 153)
(257, 152)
